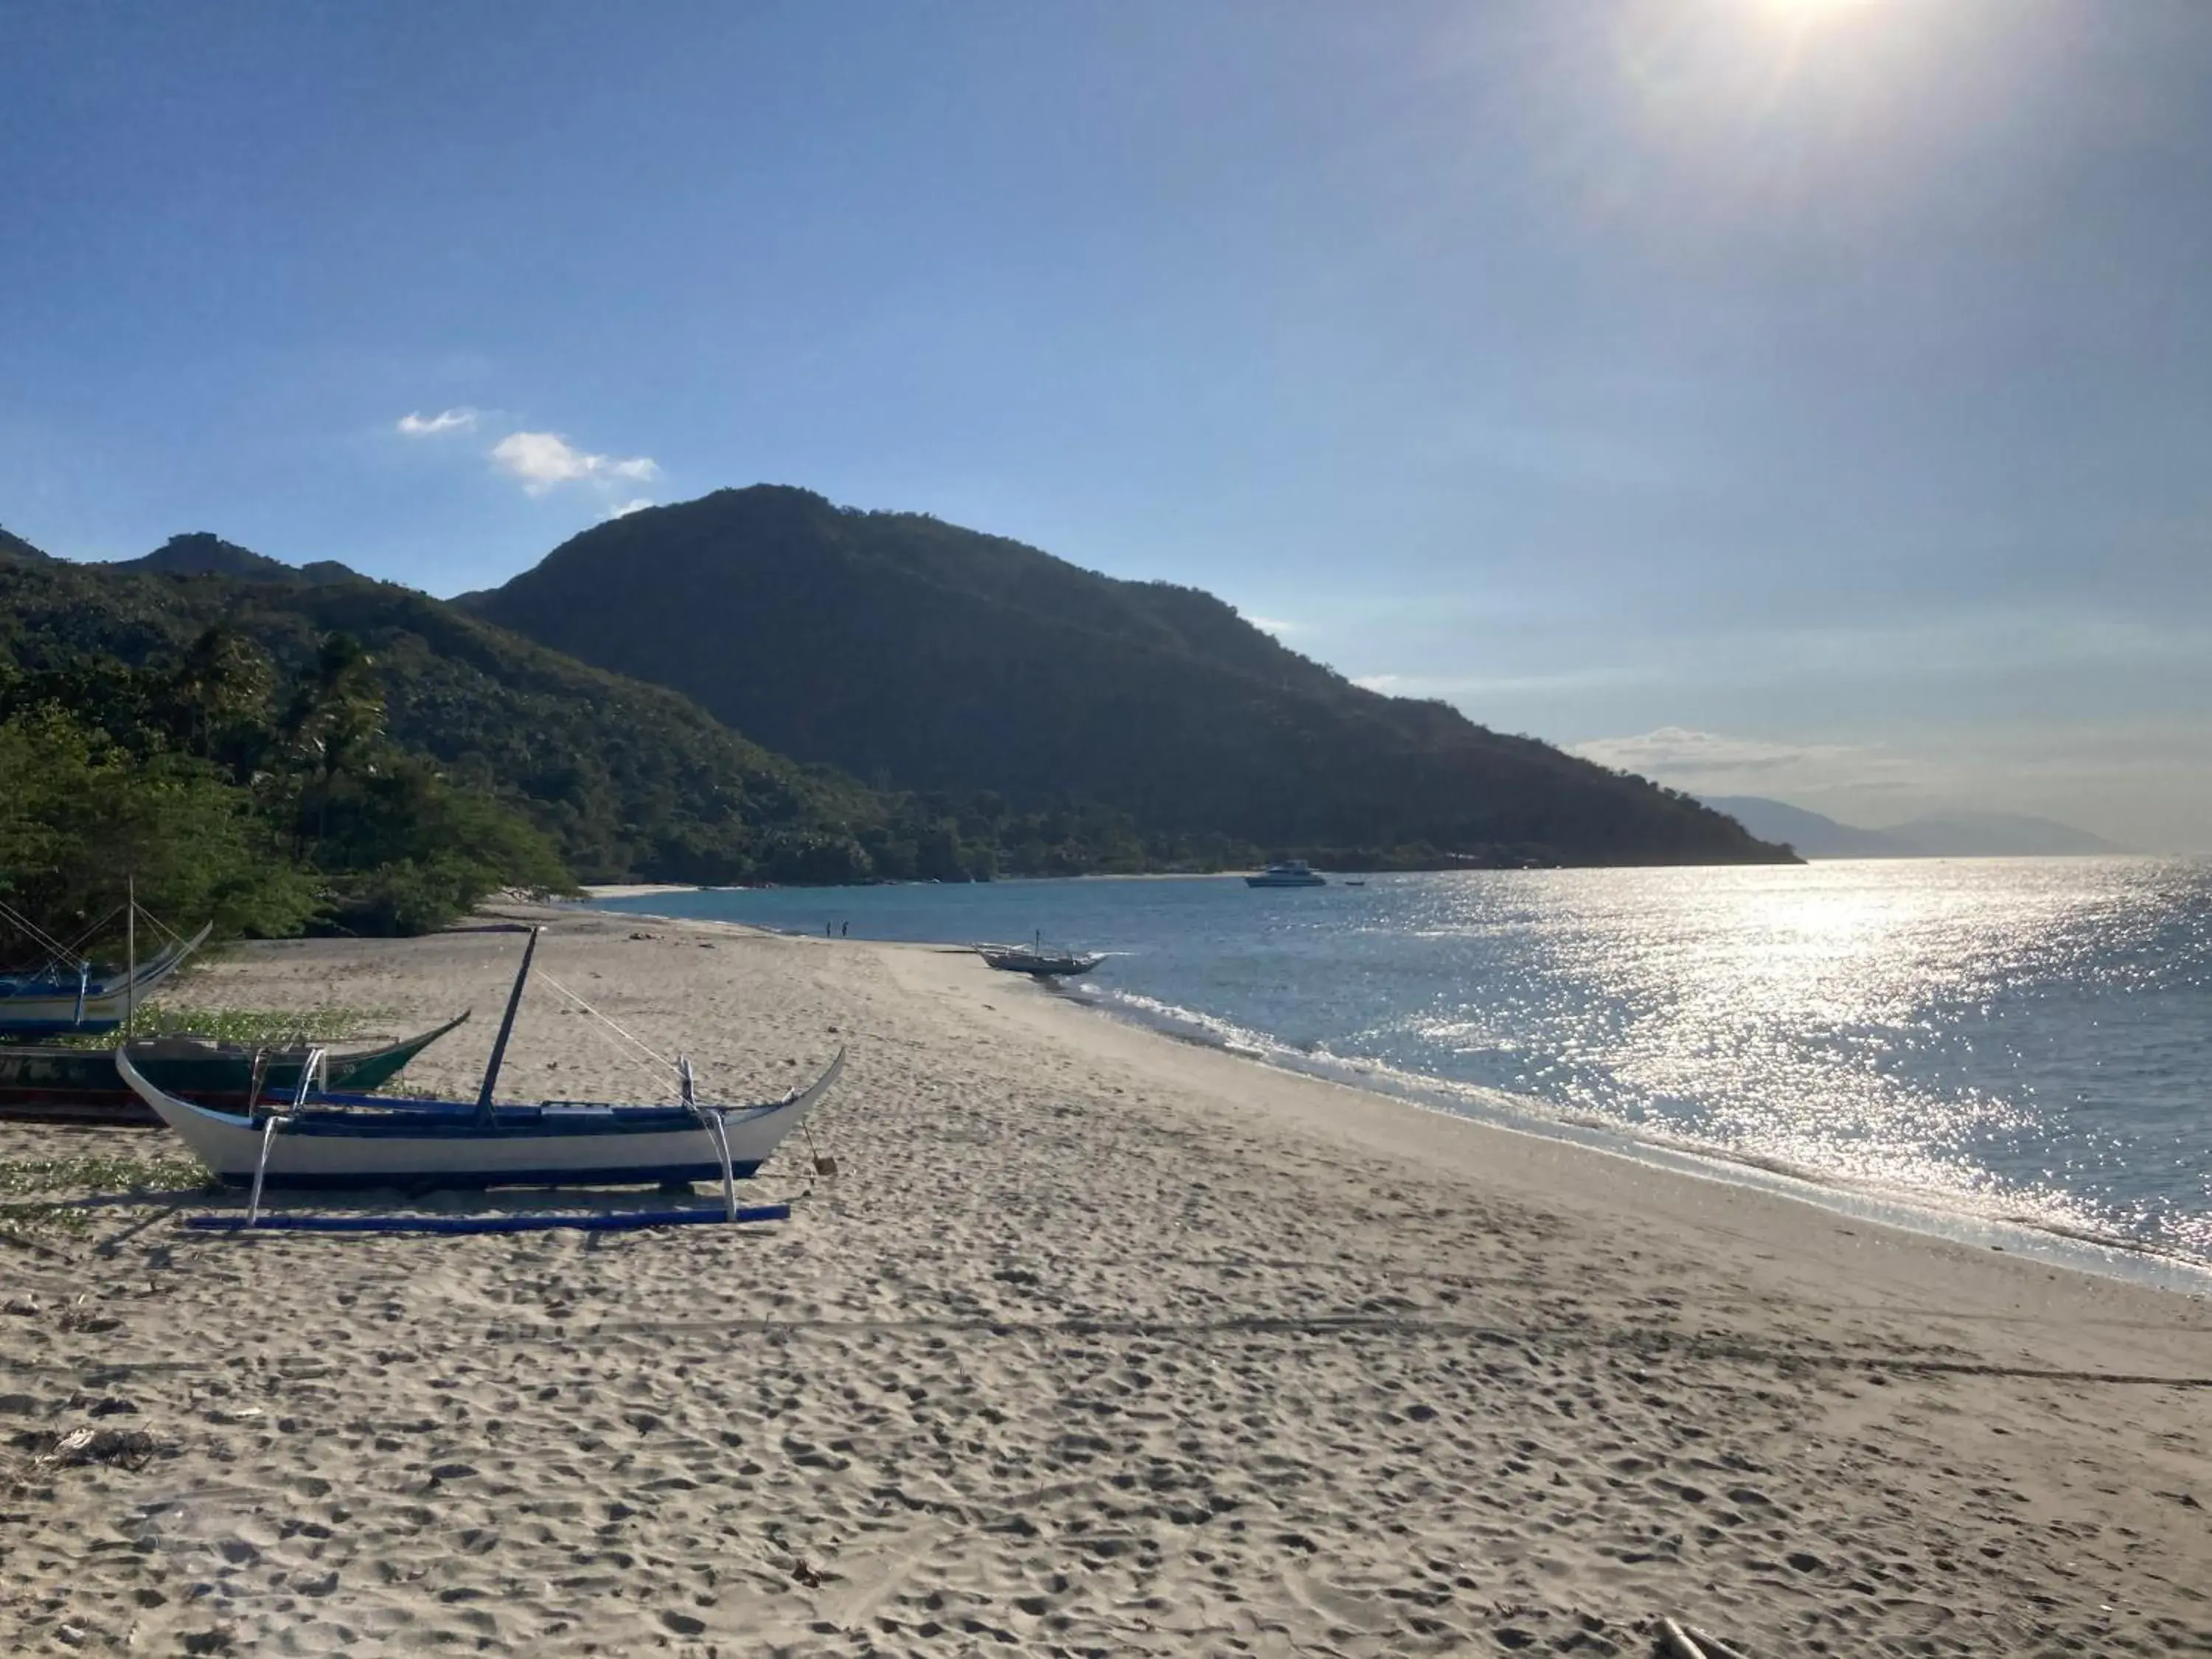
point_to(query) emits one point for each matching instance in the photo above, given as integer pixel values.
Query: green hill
(14, 546)
(630, 782)
(916, 655)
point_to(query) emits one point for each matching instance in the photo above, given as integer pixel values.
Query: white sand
(1098, 1344)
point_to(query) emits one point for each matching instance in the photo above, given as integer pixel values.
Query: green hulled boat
(45, 1084)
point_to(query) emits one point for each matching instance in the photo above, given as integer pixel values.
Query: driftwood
(1714, 1647)
(1678, 1643)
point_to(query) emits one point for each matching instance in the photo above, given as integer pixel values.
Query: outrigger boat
(64, 996)
(46, 1083)
(332, 1140)
(1034, 959)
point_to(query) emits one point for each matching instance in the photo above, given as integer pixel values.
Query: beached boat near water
(1288, 873)
(330, 1141)
(46, 1083)
(1035, 958)
(77, 997)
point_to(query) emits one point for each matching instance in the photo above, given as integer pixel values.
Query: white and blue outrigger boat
(327, 1141)
(68, 995)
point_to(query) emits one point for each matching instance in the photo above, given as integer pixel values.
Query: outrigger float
(343, 1142)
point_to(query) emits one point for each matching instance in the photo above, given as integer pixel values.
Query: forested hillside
(916, 655)
(283, 746)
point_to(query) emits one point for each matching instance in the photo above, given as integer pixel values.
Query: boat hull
(50, 1084)
(353, 1142)
(1040, 966)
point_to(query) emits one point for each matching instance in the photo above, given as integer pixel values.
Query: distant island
(1954, 834)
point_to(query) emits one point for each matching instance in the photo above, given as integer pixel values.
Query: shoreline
(1926, 1215)
(1819, 1202)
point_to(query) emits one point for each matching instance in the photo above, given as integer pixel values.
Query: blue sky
(1809, 397)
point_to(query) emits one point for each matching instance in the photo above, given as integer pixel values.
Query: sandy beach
(1095, 1344)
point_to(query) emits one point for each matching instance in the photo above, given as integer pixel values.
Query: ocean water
(2024, 1041)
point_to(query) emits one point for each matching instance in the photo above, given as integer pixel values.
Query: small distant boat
(1289, 872)
(45, 1083)
(1034, 959)
(1355, 884)
(64, 996)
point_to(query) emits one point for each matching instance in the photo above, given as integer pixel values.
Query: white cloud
(622, 510)
(1274, 625)
(1676, 750)
(430, 426)
(543, 460)
(1715, 763)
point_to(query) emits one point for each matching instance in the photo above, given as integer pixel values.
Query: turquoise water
(2023, 1040)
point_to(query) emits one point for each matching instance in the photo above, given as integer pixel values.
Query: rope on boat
(38, 935)
(631, 1037)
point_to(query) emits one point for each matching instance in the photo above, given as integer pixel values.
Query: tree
(83, 818)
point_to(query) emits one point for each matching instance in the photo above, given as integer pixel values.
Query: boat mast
(506, 1026)
(131, 953)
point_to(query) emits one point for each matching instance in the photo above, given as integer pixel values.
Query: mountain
(1959, 835)
(1809, 834)
(202, 553)
(1997, 834)
(917, 654)
(11, 543)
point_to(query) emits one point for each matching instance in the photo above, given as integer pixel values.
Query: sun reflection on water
(1942, 1029)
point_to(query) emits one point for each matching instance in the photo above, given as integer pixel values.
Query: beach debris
(70, 1448)
(22, 1307)
(79, 1317)
(1677, 1642)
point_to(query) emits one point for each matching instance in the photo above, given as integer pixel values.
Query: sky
(1801, 397)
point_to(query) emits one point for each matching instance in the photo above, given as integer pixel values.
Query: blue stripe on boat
(388, 1181)
(618, 1221)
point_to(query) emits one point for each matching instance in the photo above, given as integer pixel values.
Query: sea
(2012, 1052)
